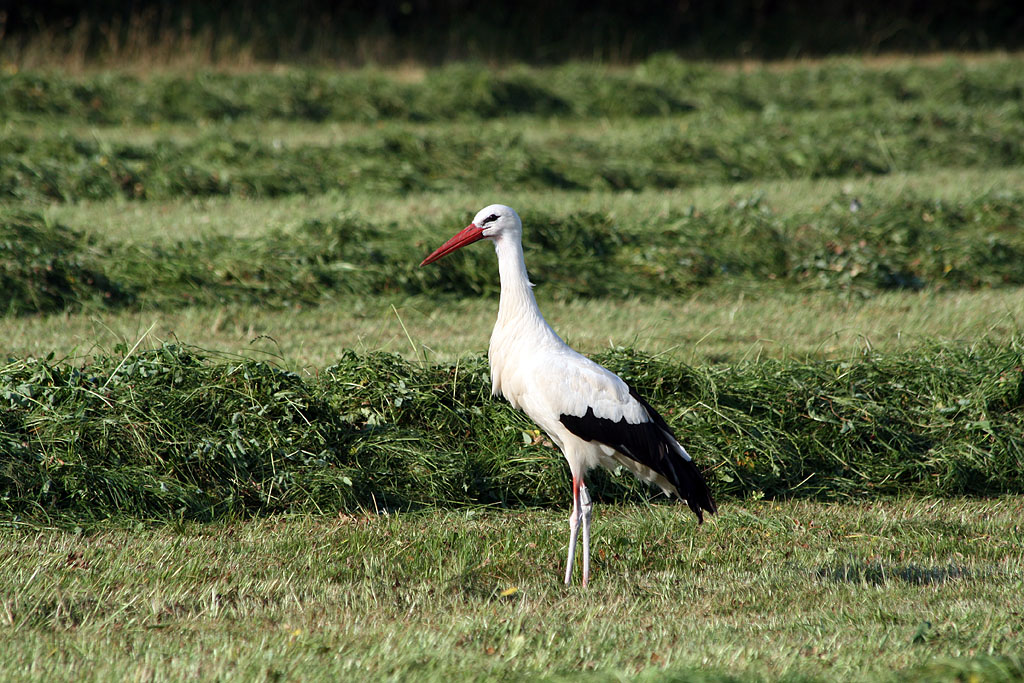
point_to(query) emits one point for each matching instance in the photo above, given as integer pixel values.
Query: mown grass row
(176, 433)
(662, 85)
(911, 244)
(655, 154)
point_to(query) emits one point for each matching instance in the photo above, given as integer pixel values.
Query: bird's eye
(490, 219)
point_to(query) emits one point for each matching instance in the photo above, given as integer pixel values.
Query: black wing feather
(648, 444)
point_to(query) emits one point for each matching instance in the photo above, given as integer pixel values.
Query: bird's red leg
(574, 527)
(585, 510)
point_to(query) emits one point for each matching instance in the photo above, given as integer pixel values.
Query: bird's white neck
(520, 331)
(518, 306)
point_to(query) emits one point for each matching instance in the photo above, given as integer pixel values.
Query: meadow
(247, 437)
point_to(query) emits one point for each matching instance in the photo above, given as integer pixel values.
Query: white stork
(593, 416)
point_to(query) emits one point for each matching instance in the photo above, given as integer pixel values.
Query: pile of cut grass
(661, 86)
(521, 155)
(46, 267)
(175, 433)
(910, 244)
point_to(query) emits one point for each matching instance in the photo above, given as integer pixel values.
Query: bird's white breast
(545, 378)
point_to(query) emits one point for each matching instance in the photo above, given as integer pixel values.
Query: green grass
(654, 154)
(660, 86)
(912, 243)
(197, 218)
(662, 125)
(200, 480)
(908, 589)
(715, 324)
(171, 434)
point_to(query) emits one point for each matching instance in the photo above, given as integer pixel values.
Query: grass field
(927, 588)
(815, 270)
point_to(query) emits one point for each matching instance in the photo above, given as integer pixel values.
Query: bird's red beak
(467, 235)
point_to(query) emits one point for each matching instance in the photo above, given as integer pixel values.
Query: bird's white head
(496, 221)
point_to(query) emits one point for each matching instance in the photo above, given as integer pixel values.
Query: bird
(592, 415)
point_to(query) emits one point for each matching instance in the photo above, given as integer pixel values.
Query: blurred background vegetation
(357, 32)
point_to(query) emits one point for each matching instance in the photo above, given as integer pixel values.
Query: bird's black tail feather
(691, 485)
(681, 472)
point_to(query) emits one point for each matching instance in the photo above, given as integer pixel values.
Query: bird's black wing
(650, 443)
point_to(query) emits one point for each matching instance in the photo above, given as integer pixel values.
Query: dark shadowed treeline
(360, 31)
